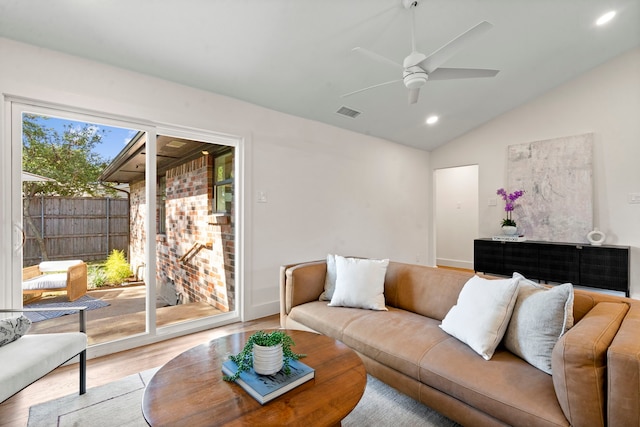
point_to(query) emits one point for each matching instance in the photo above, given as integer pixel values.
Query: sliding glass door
(151, 211)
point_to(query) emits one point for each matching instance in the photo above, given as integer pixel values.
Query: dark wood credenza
(603, 267)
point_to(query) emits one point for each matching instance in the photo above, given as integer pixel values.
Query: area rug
(84, 301)
(119, 404)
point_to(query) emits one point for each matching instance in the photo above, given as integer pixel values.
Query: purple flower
(509, 205)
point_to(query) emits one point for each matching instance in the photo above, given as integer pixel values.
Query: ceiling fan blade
(377, 57)
(413, 95)
(370, 87)
(443, 54)
(461, 73)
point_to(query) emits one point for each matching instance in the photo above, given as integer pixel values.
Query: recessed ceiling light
(606, 18)
(431, 120)
(175, 144)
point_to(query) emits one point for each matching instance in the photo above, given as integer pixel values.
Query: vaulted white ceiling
(296, 56)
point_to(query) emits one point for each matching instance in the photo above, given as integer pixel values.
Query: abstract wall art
(556, 175)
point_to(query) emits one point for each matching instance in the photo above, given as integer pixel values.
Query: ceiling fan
(418, 68)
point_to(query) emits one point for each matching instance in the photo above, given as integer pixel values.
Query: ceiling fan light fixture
(606, 18)
(414, 82)
(415, 78)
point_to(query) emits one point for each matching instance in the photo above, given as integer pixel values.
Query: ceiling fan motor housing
(414, 76)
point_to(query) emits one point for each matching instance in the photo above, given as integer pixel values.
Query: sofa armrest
(579, 364)
(300, 283)
(624, 372)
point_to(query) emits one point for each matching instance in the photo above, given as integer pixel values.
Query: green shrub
(97, 277)
(117, 268)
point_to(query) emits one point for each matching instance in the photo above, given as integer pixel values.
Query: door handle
(22, 238)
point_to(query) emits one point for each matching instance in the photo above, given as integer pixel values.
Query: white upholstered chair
(31, 357)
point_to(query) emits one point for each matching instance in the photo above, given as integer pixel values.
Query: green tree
(66, 157)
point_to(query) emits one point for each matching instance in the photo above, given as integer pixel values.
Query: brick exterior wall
(138, 206)
(196, 254)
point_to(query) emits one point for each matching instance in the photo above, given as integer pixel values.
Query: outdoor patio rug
(85, 301)
(119, 404)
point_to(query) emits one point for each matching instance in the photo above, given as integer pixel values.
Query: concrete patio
(125, 315)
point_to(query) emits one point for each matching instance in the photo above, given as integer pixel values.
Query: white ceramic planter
(509, 230)
(267, 360)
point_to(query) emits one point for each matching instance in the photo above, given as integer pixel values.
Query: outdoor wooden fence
(86, 228)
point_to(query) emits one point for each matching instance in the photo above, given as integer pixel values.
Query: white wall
(605, 101)
(328, 190)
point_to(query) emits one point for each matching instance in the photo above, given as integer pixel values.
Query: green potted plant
(277, 343)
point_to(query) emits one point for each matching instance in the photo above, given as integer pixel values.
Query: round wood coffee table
(189, 390)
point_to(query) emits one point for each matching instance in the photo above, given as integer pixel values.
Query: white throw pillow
(482, 313)
(359, 283)
(330, 279)
(540, 317)
(13, 328)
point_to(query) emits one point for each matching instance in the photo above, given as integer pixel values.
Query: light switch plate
(634, 197)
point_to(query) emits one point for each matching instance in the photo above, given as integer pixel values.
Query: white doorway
(456, 215)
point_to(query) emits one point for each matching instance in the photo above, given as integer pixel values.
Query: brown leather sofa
(596, 364)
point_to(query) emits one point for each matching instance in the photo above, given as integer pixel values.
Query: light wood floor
(14, 411)
(466, 270)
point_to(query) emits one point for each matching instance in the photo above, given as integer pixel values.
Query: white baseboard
(454, 263)
(262, 310)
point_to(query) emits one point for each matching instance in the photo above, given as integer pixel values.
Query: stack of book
(264, 388)
(505, 238)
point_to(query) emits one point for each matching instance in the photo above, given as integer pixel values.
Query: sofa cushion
(482, 313)
(359, 283)
(397, 338)
(58, 266)
(46, 281)
(330, 279)
(507, 388)
(13, 328)
(400, 340)
(326, 320)
(429, 291)
(579, 364)
(540, 317)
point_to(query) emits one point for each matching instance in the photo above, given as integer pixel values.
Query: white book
(505, 238)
